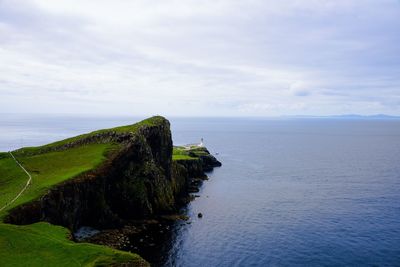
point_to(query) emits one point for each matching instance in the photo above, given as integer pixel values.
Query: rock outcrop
(138, 181)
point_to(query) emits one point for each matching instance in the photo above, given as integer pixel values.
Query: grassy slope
(153, 121)
(182, 153)
(47, 170)
(42, 244)
(50, 168)
(12, 178)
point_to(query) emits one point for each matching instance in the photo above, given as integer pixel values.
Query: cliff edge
(102, 179)
(140, 176)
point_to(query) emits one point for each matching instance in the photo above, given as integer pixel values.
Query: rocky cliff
(139, 180)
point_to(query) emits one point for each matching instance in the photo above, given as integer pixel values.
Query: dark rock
(193, 189)
(139, 181)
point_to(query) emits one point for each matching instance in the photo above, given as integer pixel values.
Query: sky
(200, 58)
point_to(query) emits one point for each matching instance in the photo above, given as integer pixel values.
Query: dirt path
(23, 189)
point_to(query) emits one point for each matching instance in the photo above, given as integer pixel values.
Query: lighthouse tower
(201, 142)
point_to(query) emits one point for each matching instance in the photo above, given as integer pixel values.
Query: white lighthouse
(201, 144)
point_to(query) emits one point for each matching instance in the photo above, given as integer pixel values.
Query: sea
(290, 192)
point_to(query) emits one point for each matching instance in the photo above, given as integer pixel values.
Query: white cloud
(208, 58)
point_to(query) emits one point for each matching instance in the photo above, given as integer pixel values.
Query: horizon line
(299, 116)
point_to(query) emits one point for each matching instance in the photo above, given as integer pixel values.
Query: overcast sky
(200, 58)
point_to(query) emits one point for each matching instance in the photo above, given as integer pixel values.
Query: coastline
(131, 195)
(149, 237)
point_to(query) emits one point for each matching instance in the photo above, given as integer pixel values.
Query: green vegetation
(188, 153)
(12, 179)
(181, 153)
(50, 168)
(47, 170)
(153, 121)
(43, 244)
(198, 151)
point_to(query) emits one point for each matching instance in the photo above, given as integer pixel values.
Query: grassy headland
(181, 153)
(188, 153)
(42, 244)
(47, 170)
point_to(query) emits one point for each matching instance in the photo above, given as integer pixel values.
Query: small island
(106, 179)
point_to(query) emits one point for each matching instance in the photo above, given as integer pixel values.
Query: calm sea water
(289, 193)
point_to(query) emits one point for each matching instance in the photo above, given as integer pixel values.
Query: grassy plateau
(188, 152)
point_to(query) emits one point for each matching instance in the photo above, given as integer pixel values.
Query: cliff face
(138, 181)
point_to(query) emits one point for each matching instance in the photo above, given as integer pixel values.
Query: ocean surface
(299, 192)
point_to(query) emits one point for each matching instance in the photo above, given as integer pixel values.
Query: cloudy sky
(200, 58)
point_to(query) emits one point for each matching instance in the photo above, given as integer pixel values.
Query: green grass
(12, 178)
(191, 153)
(180, 153)
(47, 170)
(50, 168)
(182, 157)
(153, 121)
(42, 244)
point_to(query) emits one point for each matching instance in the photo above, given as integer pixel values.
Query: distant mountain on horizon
(346, 116)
